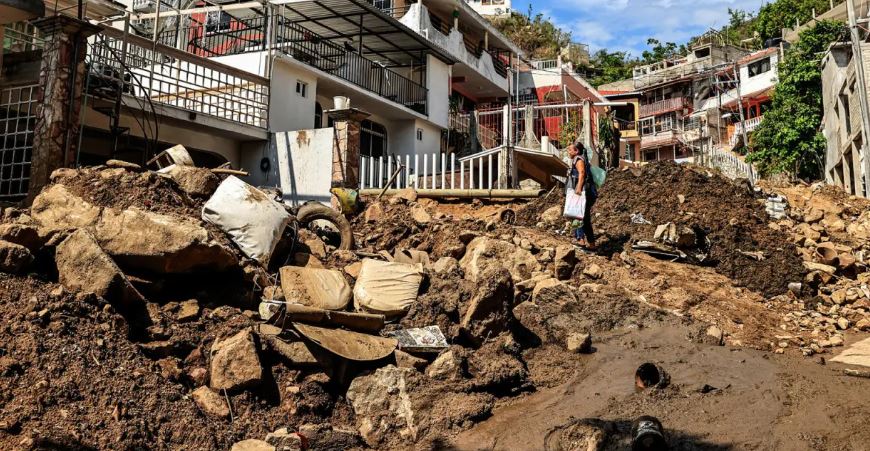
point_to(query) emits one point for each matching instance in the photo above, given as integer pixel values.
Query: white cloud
(627, 24)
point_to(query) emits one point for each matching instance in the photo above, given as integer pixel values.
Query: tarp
(253, 220)
(387, 288)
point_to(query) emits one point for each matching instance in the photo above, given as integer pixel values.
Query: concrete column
(346, 147)
(61, 81)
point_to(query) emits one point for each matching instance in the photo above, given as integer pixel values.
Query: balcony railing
(336, 60)
(154, 73)
(737, 131)
(664, 106)
(249, 35)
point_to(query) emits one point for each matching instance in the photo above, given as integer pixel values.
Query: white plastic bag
(387, 288)
(575, 204)
(253, 220)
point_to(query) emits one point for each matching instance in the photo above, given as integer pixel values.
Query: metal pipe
(463, 193)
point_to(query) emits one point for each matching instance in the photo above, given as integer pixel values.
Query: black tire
(316, 211)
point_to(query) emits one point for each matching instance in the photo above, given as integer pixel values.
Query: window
(419, 134)
(301, 88)
(629, 151)
(373, 139)
(759, 67)
(646, 126)
(383, 4)
(650, 155)
(702, 53)
(218, 21)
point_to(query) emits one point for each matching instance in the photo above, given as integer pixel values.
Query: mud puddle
(719, 399)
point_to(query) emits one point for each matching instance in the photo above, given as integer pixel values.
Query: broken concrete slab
(321, 288)
(211, 403)
(188, 311)
(14, 258)
(235, 363)
(857, 354)
(83, 266)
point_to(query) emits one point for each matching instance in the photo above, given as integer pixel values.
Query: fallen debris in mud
(136, 323)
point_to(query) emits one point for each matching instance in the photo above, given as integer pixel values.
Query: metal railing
(17, 121)
(663, 106)
(207, 40)
(166, 75)
(309, 48)
(249, 35)
(22, 37)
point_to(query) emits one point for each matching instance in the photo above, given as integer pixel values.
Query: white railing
(546, 64)
(433, 171)
(729, 164)
(751, 125)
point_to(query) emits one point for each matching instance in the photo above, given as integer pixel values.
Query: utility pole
(740, 105)
(858, 57)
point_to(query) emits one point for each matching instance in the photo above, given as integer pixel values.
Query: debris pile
(832, 233)
(139, 309)
(685, 212)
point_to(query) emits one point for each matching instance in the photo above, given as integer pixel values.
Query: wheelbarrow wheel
(309, 213)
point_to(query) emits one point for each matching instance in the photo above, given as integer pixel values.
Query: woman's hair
(579, 145)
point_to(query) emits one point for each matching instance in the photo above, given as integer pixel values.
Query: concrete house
(845, 163)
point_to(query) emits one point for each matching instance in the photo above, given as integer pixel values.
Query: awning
(762, 93)
(384, 38)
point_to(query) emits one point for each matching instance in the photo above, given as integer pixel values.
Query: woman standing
(581, 194)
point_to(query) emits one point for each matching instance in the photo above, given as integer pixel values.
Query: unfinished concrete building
(846, 164)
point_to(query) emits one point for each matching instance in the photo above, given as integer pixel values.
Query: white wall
(304, 164)
(759, 82)
(438, 81)
(502, 8)
(288, 110)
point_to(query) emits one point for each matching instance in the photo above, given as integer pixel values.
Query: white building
(491, 7)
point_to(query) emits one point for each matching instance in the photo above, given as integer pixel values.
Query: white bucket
(341, 102)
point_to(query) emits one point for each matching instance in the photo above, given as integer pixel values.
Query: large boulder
(82, 266)
(483, 253)
(489, 312)
(382, 405)
(234, 362)
(565, 260)
(133, 237)
(13, 257)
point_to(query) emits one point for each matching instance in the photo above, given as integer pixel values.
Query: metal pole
(740, 106)
(862, 88)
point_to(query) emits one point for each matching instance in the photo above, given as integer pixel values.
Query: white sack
(253, 220)
(387, 288)
(315, 287)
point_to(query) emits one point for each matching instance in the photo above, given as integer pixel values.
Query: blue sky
(626, 24)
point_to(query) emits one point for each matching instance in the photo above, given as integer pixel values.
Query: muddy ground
(74, 374)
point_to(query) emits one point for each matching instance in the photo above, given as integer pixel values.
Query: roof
(761, 93)
(384, 38)
(757, 55)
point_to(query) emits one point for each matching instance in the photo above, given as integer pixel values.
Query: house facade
(304, 95)
(491, 7)
(846, 163)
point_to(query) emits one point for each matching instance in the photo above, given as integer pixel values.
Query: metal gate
(17, 119)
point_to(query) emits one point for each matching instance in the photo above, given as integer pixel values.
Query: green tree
(774, 16)
(533, 33)
(607, 67)
(788, 139)
(660, 51)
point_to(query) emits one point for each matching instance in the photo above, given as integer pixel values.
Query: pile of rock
(832, 232)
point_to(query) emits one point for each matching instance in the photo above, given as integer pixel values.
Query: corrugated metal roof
(384, 39)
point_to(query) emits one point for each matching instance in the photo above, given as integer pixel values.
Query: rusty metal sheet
(347, 344)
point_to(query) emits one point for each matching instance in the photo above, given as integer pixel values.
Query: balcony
(658, 140)
(665, 106)
(249, 35)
